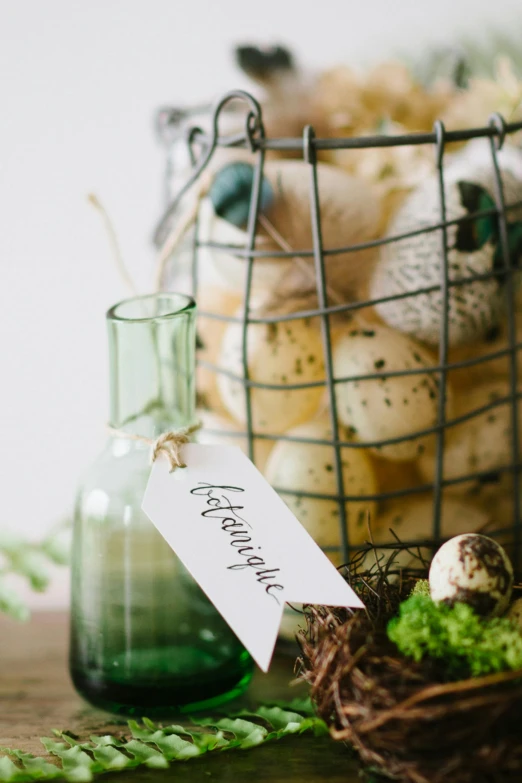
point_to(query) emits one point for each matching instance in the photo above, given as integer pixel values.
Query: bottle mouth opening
(151, 307)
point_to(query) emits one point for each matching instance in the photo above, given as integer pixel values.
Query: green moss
(422, 587)
(466, 644)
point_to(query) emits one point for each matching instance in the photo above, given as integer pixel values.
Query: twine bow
(168, 443)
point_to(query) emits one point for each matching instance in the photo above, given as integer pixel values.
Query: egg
(475, 570)
(514, 613)
(414, 263)
(410, 520)
(284, 353)
(481, 444)
(385, 407)
(220, 430)
(502, 506)
(496, 341)
(349, 215)
(210, 331)
(217, 241)
(310, 467)
(395, 476)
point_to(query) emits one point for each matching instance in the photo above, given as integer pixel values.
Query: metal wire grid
(253, 138)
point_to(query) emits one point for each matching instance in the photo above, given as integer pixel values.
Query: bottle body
(145, 640)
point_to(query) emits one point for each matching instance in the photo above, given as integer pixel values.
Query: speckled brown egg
(310, 467)
(475, 570)
(385, 407)
(282, 354)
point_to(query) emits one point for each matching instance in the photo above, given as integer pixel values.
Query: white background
(79, 83)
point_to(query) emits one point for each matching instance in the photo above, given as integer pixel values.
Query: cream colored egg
(310, 467)
(220, 430)
(231, 268)
(497, 367)
(210, 331)
(411, 521)
(502, 507)
(481, 444)
(350, 214)
(385, 407)
(395, 476)
(281, 354)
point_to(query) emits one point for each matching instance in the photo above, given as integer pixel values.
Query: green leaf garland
(155, 747)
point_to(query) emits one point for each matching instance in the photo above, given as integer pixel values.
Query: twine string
(114, 244)
(168, 443)
(173, 242)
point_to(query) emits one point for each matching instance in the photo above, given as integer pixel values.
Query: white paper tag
(241, 543)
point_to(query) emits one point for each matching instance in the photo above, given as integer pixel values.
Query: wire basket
(196, 147)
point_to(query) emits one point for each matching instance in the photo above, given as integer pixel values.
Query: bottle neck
(152, 364)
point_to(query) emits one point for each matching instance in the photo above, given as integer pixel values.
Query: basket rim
(254, 138)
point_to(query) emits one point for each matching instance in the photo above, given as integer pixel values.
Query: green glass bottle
(144, 638)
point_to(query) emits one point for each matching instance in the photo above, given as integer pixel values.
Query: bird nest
(405, 719)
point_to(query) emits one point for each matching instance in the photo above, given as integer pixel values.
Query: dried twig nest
(405, 719)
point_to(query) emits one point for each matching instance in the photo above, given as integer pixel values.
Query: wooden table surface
(36, 696)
